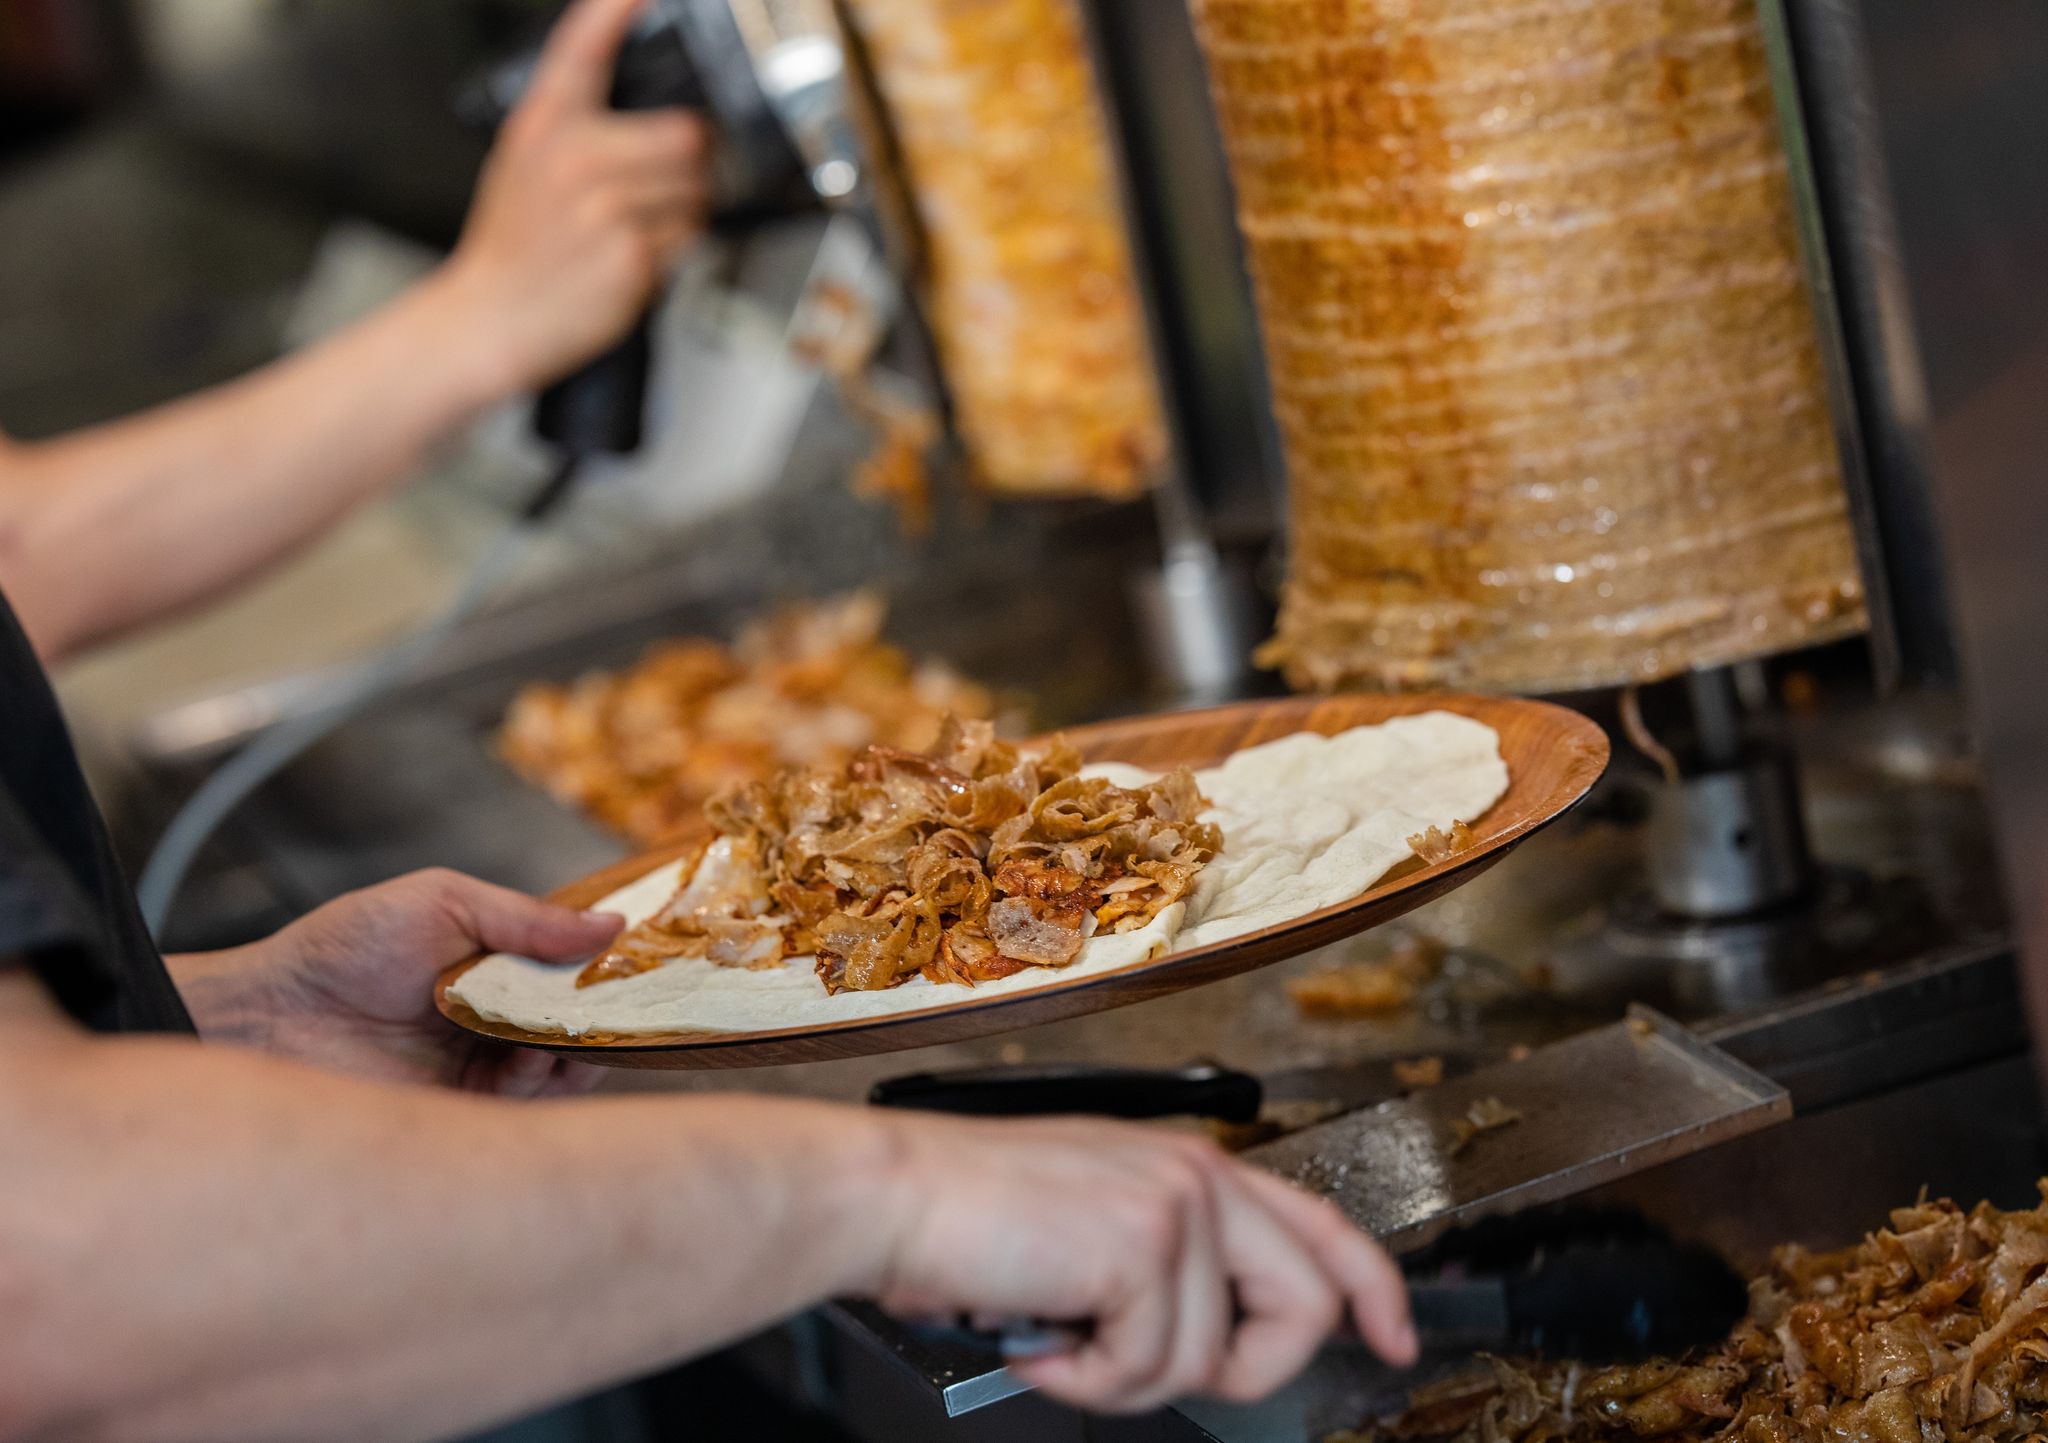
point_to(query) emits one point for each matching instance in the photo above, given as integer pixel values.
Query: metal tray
(1594, 1108)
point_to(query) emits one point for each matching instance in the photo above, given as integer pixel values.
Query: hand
(580, 212)
(350, 987)
(1200, 1275)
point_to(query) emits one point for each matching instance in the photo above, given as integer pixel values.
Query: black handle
(1601, 1285)
(1202, 1089)
(602, 409)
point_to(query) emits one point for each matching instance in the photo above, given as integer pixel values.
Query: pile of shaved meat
(1935, 1328)
(643, 749)
(965, 863)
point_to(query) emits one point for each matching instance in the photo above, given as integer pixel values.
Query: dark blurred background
(167, 168)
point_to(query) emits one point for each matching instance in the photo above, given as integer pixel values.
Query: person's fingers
(668, 240)
(662, 199)
(1370, 1280)
(523, 1072)
(1199, 1305)
(503, 1071)
(1203, 1316)
(1133, 1336)
(498, 919)
(1289, 1305)
(662, 142)
(576, 65)
(572, 1079)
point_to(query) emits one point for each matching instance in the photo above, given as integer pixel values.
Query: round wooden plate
(1554, 756)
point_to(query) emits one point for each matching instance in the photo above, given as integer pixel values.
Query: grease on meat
(965, 863)
(1933, 1328)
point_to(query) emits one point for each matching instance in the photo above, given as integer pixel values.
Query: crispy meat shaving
(1934, 1328)
(1486, 1114)
(721, 914)
(1418, 1073)
(964, 863)
(1360, 989)
(1434, 844)
(1370, 989)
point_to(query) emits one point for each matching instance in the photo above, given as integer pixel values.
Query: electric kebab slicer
(771, 78)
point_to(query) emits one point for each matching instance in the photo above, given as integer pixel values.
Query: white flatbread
(1308, 822)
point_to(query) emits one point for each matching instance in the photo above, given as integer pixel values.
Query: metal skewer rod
(1717, 713)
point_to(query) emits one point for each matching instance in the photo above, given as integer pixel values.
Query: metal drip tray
(1590, 1110)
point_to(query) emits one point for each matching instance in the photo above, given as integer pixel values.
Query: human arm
(202, 1243)
(208, 1244)
(579, 213)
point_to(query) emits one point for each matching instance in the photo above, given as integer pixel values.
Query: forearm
(214, 1246)
(105, 529)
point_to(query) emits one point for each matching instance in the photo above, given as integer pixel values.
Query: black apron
(65, 907)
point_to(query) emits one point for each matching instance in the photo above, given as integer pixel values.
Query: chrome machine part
(1181, 210)
(1199, 617)
(1733, 911)
(757, 155)
(798, 62)
(1201, 612)
(1828, 107)
(770, 73)
(801, 59)
(1844, 400)
(1726, 838)
(1729, 843)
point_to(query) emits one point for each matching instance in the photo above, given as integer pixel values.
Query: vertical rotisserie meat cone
(1029, 286)
(1541, 348)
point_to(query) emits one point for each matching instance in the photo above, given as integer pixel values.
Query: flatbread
(1308, 822)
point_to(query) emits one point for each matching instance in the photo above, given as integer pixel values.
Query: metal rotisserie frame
(1958, 123)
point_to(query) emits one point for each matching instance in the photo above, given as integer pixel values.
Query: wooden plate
(1554, 756)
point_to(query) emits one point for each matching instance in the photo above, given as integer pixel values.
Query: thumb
(576, 64)
(501, 920)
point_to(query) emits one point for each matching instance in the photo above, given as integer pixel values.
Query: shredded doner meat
(1935, 1328)
(966, 863)
(642, 750)
(721, 914)
(1435, 845)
